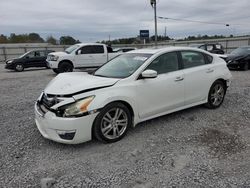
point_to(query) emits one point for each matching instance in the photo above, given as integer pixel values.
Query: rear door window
(98, 49)
(192, 59)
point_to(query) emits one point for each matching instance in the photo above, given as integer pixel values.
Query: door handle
(210, 70)
(179, 78)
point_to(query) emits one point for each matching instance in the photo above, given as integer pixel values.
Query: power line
(194, 21)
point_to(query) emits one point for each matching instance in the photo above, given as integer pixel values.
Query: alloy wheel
(114, 123)
(19, 67)
(217, 94)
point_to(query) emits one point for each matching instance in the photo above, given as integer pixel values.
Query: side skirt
(171, 111)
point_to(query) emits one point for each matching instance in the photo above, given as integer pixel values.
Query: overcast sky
(94, 20)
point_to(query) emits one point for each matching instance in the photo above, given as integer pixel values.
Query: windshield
(25, 54)
(70, 49)
(122, 66)
(241, 51)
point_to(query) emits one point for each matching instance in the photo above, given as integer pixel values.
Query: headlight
(78, 108)
(10, 61)
(53, 58)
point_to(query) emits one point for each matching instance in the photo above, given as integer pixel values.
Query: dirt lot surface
(197, 147)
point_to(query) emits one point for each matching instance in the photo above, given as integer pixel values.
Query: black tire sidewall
(97, 123)
(209, 103)
(64, 65)
(17, 69)
(55, 71)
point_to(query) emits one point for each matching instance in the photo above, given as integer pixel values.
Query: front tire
(65, 67)
(216, 95)
(112, 123)
(245, 67)
(55, 71)
(19, 67)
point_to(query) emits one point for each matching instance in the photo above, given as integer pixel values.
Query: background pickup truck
(91, 55)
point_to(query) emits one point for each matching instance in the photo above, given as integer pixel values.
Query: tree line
(36, 38)
(134, 40)
(137, 40)
(68, 40)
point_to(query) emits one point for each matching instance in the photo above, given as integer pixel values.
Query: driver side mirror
(78, 52)
(149, 74)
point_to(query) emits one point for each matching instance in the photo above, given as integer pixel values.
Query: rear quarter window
(209, 58)
(192, 59)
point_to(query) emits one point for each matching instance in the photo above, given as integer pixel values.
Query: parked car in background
(124, 49)
(239, 58)
(214, 48)
(34, 58)
(131, 88)
(91, 55)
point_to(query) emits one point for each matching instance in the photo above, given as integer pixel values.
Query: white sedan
(131, 88)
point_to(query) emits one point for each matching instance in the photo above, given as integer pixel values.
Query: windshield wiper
(101, 75)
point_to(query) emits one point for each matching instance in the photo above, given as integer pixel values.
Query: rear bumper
(53, 127)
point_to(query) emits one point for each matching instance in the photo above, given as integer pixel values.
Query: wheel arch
(66, 60)
(125, 103)
(222, 80)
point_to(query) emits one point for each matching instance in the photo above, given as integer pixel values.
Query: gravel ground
(192, 148)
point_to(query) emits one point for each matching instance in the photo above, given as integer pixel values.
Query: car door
(98, 54)
(40, 58)
(83, 57)
(35, 59)
(29, 59)
(198, 74)
(163, 93)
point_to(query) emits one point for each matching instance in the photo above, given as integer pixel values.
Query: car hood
(58, 53)
(235, 57)
(72, 83)
(13, 59)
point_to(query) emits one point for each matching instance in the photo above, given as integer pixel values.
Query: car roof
(126, 48)
(92, 44)
(40, 50)
(164, 49)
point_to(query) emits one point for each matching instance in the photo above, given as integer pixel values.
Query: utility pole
(165, 34)
(153, 4)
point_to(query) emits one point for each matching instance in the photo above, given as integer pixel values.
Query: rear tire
(216, 95)
(19, 67)
(65, 67)
(112, 123)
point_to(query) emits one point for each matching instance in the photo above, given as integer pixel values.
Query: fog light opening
(66, 135)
